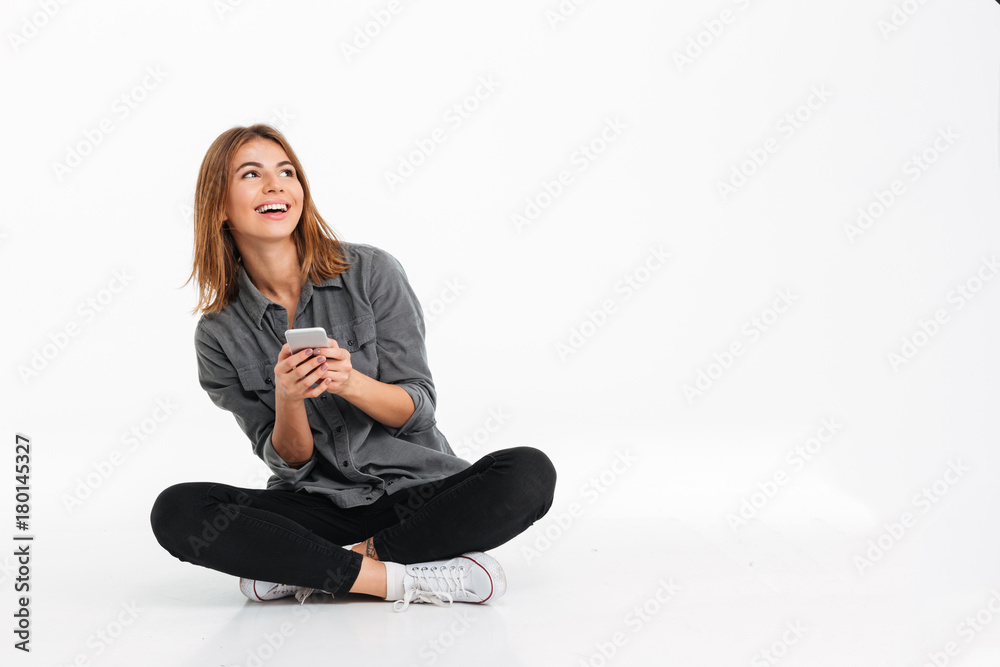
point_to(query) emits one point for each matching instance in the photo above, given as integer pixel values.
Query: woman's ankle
(371, 579)
(366, 548)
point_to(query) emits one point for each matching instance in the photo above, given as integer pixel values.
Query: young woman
(347, 430)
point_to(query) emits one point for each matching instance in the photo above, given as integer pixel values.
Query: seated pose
(366, 495)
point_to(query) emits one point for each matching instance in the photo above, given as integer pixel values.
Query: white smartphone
(300, 339)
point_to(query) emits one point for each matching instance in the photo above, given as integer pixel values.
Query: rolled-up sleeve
(399, 335)
(221, 381)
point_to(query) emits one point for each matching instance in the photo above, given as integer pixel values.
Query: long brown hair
(216, 257)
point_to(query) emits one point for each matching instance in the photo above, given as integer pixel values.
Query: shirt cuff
(423, 412)
(280, 467)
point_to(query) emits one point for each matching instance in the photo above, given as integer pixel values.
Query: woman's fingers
(335, 352)
(309, 367)
(299, 358)
(298, 372)
(319, 366)
(315, 376)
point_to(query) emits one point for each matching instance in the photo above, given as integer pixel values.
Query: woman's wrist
(291, 437)
(388, 404)
(281, 397)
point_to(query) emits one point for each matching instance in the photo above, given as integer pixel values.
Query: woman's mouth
(276, 211)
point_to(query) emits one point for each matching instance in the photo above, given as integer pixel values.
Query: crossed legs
(298, 538)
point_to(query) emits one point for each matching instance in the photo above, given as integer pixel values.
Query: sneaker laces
(433, 584)
(302, 594)
(281, 590)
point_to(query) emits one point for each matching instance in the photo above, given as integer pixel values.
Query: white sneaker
(472, 577)
(263, 591)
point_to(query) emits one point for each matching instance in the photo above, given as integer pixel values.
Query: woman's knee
(542, 468)
(176, 512)
(535, 474)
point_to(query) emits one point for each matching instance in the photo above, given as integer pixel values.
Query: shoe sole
(489, 565)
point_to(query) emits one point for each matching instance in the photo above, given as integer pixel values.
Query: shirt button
(368, 497)
(323, 397)
(267, 380)
(389, 483)
(351, 342)
(339, 429)
(345, 463)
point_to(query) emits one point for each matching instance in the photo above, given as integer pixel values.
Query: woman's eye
(290, 172)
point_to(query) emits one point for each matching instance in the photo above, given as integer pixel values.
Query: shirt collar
(256, 303)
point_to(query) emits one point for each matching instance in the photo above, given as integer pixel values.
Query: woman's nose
(271, 184)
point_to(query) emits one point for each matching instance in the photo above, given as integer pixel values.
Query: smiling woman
(244, 169)
(347, 430)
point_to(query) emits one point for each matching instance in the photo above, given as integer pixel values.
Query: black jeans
(296, 538)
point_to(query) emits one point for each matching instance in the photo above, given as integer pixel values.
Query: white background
(99, 167)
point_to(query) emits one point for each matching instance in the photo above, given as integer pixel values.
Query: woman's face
(262, 180)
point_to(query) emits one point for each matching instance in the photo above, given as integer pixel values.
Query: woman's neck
(274, 271)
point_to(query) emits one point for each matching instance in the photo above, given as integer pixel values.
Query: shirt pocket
(358, 338)
(258, 377)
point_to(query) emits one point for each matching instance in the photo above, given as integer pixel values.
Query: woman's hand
(385, 403)
(338, 370)
(295, 374)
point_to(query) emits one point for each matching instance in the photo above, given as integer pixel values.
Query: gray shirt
(371, 311)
